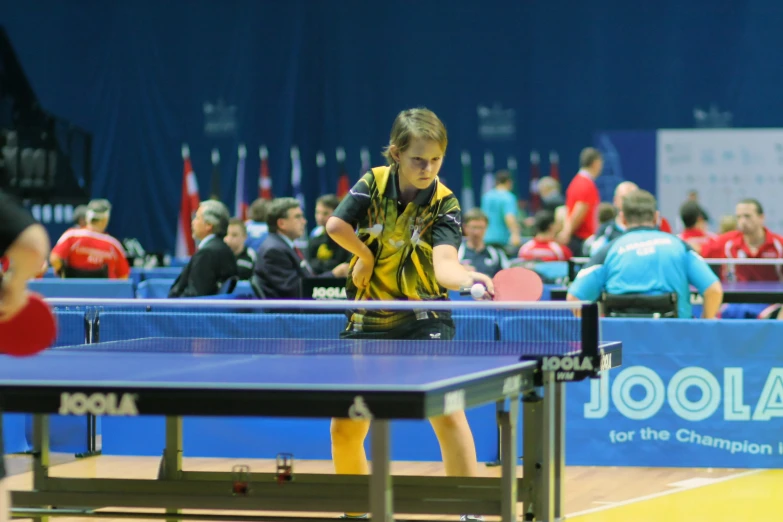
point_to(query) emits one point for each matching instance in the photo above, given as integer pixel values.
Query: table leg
(508, 419)
(41, 457)
(532, 415)
(381, 499)
(546, 507)
(559, 493)
(172, 458)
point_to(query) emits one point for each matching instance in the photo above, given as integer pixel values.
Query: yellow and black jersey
(401, 238)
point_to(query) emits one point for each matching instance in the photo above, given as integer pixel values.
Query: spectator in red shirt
(89, 251)
(582, 200)
(752, 240)
(694, 219)
(543, 246)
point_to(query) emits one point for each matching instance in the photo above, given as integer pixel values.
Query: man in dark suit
(214, 262)
(280, 265)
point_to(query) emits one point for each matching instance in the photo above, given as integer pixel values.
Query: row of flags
(468, 198)
(535, 175)
(185, 245)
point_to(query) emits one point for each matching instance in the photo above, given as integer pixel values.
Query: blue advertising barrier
(690, 393)
(84, 288)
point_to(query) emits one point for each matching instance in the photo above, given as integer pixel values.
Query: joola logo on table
(574, 363)
(98, 404)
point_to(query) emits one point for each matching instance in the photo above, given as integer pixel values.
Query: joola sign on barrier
(714, 403)
(724, 397)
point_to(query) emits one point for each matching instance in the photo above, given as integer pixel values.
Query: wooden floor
(593, 494)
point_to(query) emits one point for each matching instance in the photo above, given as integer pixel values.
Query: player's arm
(706, 282)
(591, 280)
(446, 238)
(588, 284)
(344, 235)
(713, 298)
(26, 255)
(451, 274)
(25, 244)
(342, 223)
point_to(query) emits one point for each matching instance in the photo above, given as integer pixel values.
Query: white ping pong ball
(477, 291)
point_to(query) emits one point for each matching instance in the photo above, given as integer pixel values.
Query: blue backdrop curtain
(328, 74)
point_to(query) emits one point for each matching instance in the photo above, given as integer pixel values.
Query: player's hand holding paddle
(27, 324)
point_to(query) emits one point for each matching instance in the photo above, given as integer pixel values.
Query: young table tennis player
(25, 244)
(403, 227)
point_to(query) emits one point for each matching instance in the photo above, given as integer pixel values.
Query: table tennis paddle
(33, 329)
(517, 284)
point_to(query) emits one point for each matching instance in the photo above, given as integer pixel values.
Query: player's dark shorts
(431, 328)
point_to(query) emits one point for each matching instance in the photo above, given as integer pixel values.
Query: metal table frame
(540, 489)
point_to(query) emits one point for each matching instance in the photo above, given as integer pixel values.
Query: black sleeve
(447, 229)
(13, 220)
(355, 204)
(206, 271)
(201, 278)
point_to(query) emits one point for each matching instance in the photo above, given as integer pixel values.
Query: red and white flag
(554, 165)
(343, 181)
(535, 174)
(186, 246)
(264, 181)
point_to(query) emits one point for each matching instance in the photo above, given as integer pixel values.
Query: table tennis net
(483, 328)
(327, 347)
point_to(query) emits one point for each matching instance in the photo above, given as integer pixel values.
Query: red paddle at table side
(30, 331)
(517, 284)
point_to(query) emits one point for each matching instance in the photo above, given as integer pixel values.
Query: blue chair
(161, 272)
(154, 288)
(228, 285)
(84, 288)
(243, 290)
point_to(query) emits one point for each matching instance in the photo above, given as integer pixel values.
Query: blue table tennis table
(761, 292)
(378, 380)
